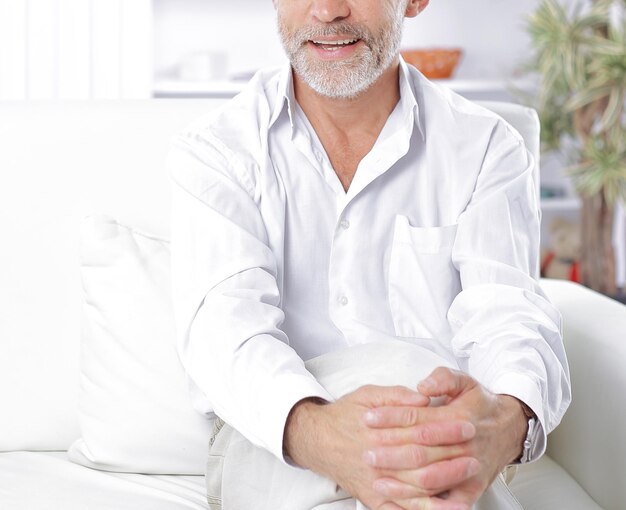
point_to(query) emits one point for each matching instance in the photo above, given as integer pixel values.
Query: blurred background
(144, 49)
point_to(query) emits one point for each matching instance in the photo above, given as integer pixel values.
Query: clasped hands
(389, 449)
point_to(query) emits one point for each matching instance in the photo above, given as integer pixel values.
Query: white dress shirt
(435, 242)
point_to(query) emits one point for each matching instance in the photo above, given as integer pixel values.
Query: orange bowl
(434, 63)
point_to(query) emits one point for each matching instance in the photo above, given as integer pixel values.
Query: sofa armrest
(590, 443)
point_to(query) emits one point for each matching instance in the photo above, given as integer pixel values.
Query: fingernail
(468, 430)
(427, 384)
(381, 487)
(473, 468)
(371, 418)
(370, 457)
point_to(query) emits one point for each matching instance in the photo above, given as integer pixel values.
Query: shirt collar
(286, 95)
(408, 97)
(408, 100)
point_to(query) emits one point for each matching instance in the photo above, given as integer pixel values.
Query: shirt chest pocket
(422, 279)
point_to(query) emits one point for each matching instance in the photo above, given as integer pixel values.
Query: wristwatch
(531, 435)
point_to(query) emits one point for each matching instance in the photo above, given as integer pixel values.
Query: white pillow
(134, 410)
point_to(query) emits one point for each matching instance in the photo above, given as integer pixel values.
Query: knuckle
(373, 437)
(416, 455)
(411, 416)
(388, 437)
(441, 372)
(420, 503)
(426, 481)
(429, 482)
(425, 435)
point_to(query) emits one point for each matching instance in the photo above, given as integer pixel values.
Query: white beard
(346, 78)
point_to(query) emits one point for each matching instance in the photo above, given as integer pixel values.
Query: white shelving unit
(560, 204)
(177, 88)
(491, 89)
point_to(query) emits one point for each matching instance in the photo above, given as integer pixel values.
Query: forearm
(303, 434)
(227, 305)
(521, 330)
(506, 333)
(251, 378)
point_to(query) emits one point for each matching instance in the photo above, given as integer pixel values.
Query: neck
(369, 109)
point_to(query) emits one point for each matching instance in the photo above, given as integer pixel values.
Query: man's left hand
(410, 433)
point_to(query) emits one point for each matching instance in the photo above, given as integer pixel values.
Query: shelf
(177, 88)
(468, 85)
(560, 204)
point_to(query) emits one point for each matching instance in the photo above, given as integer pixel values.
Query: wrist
(517, 415)
(297, 437)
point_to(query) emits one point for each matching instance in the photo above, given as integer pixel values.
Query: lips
(334, 46)
(344, 42)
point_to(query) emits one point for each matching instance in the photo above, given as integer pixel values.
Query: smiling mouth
(334, 45)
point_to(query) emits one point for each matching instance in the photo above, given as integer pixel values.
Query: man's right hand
(333, 440)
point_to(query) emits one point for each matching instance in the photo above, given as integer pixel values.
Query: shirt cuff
(523, 388)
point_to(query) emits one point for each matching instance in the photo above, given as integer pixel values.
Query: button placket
(340, 298)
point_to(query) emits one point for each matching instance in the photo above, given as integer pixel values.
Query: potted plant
(580, 59)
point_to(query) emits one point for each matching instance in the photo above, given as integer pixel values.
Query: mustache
(341, 28)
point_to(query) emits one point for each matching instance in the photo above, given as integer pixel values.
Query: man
(346, 200)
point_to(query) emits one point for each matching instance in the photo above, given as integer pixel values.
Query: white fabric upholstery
(135, 409)
(544, 485)
(61, 162)
(590, 443)
(49, 481)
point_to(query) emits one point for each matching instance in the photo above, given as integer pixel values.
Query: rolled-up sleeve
(226, 297)
(504, 327)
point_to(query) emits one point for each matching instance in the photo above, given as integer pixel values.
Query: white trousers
(241, 476)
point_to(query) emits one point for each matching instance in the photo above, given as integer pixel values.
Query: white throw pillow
(134, 410)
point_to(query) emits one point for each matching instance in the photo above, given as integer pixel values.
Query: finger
(429, 433)
(445, 381)
(435, 479)
(411, 456)
(389, 506)
(382, 396)
(396, 416)
(436, 433)
(426, 503)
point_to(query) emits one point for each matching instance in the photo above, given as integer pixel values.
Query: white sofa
(119, 402)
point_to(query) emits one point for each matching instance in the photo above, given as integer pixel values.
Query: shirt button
(345, 224)
(343, 300)
(318, 155)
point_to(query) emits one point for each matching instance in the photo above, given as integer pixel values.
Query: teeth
(336, 43)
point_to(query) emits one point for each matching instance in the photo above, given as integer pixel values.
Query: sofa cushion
(135, 413)
(544, 485)
(49, 481)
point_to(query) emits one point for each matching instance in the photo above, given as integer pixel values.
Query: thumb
(383, 396)
(446, 382)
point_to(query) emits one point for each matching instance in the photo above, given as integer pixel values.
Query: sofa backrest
(61, 161)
